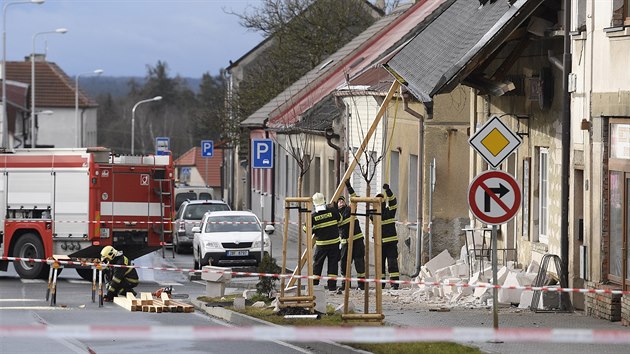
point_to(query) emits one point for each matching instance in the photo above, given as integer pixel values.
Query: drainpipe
(273, 184)
(330, 134)
(566, 144)
(420, 172)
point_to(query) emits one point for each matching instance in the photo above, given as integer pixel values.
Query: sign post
(207, 151)
(494, 196)
(262, 158)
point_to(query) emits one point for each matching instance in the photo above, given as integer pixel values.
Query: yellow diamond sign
(495, 141)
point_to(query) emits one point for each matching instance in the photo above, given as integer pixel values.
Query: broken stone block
(526, 299)
(249, 294)
(533, 267)
(476, 278)
(440, 261)
(443, 273)
(424, 272)
(449, 290)
(501, 275)
(511, 296)
(239, 303)
(259, 304)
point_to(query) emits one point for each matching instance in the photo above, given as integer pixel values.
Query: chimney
(36, 57)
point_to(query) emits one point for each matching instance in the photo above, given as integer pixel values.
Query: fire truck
(74, 202)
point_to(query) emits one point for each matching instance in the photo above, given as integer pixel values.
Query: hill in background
(118, 86)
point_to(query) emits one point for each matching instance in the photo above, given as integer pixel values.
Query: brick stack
(606, 306)
(625, 310)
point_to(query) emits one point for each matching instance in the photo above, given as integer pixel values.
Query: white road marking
(33, 281)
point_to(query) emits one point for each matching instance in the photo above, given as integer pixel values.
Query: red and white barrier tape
(157, 222)
(324, 278)
(310, 334)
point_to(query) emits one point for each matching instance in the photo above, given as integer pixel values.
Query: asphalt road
(22, 302)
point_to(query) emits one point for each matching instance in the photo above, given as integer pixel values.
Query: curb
(240, 319)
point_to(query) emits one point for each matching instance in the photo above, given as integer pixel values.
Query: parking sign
(262, 153)
(207, 148)
(162, 145)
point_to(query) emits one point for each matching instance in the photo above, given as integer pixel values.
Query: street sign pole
(495, 291)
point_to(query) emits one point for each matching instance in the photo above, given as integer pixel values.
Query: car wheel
(30, 246)
(175, 245)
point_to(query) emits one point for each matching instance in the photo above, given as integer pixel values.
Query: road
(22, 302)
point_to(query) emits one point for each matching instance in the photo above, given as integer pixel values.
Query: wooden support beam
(377, 119)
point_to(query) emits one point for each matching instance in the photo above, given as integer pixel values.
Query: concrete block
(320, 299)
(526, 299)
(239, 303)
(533, 267)
(443, 273)
(215, 289)
(424, 272)
(510, 296)
(465, 290)
(440, 261)
(480, 291)
(501, 275)
(449, 290)
(210, 273)
(259, 304)
(249, 294)
(476, 278)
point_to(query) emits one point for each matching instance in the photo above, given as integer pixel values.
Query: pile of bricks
(625, 310)
(605, 306)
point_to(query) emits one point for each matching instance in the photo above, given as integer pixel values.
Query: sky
(122, 37)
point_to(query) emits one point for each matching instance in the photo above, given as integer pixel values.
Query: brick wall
(625, 310)
(605, 306)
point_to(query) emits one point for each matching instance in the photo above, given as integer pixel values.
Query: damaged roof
(459, 39)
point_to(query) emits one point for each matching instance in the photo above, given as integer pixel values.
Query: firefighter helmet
(108, 253)
(318, 199)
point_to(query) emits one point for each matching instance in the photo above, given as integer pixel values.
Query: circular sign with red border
(494, 197)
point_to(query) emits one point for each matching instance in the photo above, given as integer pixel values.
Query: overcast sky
(122, 37)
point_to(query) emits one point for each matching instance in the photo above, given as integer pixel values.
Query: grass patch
(334, 319)
(416, 347)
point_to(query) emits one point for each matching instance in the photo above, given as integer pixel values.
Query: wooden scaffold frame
(367, 318)
(304, 206)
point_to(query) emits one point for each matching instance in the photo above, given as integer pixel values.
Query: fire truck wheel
(30, 246)
(86, 274)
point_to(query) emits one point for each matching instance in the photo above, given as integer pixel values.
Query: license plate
(237, 253)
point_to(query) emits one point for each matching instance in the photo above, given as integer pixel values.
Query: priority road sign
(262, 153)
(207, 148)
(495, 141)
(494, 197)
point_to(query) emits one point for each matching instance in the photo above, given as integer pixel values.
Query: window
(394, 157)
(621, 13)
(412, 189)
(543, 200)
(579, 22)
(332, 181)
(317, 169)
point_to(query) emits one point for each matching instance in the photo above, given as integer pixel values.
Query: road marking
(33, 281)
(49, 308)
(17, 300)
(77, 281)
(170, 284)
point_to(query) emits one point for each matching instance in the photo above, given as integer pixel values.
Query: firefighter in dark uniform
(123, 280)
(358, 247)
(326, 221)
(389, 237)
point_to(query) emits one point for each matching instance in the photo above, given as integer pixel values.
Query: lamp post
(77, 121)
(60, 31)
(133, 117)
(5, 122)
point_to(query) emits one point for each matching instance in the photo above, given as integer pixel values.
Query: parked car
(230, 238)
(188, 216)
(184, 193)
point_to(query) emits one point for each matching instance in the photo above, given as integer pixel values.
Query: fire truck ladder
(163, 190)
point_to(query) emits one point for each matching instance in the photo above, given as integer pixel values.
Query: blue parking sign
(262, 153)
(162, 145)
(207, 148)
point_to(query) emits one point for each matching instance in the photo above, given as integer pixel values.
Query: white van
(184, 193)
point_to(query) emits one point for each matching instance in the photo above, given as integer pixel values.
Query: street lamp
(77, 122)
(133, 116)
(5, 122)
(60, 31)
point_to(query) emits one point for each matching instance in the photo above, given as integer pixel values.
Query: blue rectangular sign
(162, 145)
(207, 148)
(262, 153)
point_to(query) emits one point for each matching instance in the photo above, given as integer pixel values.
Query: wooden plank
(183, 307)
(165, 298)
(124, 303)
(146, 299)
(377, 119)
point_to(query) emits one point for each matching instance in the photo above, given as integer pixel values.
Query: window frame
(543, 195)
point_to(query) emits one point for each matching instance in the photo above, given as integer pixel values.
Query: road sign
(495, 141)
(262, 153)
(494, 197)
(162, 145)
(207, 148)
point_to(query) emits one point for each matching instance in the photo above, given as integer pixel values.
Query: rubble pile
(457, 281)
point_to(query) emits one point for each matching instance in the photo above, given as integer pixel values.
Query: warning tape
(317, 277)
(157, 222)
(310, 334)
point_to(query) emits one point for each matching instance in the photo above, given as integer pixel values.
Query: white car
(229, 238)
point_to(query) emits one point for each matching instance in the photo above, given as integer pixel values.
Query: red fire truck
(73, 202)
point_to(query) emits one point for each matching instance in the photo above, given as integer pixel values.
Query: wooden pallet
(147, 303)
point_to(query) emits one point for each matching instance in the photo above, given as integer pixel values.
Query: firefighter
(325, 221)
(123, 280)
(358, 247)
(389, 237)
